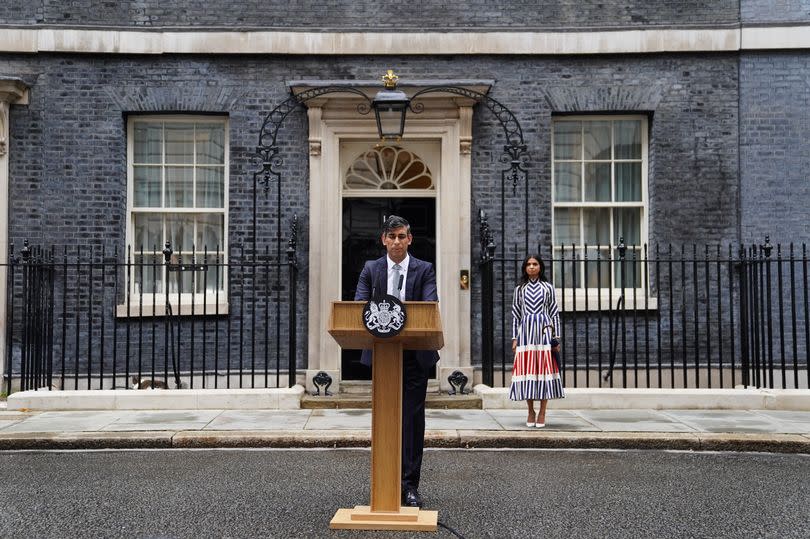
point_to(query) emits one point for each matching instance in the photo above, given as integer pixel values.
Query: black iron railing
(661, 317)
(93, 319)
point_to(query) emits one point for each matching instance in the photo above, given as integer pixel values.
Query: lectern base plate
(407, 518)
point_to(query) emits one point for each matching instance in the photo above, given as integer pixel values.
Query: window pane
(180, 231)
(210, 140)
(628, 139)
(210, 233)
(567, 269)
(210, 187)
(628, 182)
(627, 272)
(179, 278)
(597, 270)
(179, 143)
(627, 225)
(148, 233)
(146, 187)
(179, 182)
(567, 182)
(212, 278)
(597, 182)
(566, 226)
(596, 136)
(147, 273)
(147, 143)
(596, 222)
(567, 140)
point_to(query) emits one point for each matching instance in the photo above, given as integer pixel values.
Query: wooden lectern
(422, 331)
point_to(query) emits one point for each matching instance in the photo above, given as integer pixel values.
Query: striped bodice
(535, 305)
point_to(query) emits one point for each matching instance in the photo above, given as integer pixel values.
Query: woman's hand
(514, 345)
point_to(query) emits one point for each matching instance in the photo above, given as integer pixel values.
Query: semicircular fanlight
(388, 167)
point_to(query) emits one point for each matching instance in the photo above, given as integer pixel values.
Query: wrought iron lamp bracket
(267, 150)
(515, 152)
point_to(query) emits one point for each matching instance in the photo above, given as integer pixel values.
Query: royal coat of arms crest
(385, 316)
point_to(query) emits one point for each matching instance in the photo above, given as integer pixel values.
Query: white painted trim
(776, 37)
(643, 204)
(130, 233)
(12, 91)
(330, 126)
(600, 41)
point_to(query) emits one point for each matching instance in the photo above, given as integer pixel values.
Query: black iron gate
(676, 317)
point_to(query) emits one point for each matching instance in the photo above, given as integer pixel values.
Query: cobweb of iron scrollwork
(515, 155)
(267, 151)
(511, 127)
(389, 167)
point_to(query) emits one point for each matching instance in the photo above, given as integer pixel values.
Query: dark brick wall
(68, 153)
(774, 148)
(367, 14)
(753, 11)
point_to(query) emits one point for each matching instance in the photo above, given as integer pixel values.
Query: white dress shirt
(392, 286)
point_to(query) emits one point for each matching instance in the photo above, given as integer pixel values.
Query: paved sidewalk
(742, 430)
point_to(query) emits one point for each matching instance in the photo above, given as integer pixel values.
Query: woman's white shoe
(530, 424)
(539, 425)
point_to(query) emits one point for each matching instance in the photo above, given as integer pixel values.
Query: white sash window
(177, 191)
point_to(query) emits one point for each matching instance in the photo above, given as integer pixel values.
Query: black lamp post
(390, 106)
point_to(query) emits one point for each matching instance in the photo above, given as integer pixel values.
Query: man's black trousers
(414, 391)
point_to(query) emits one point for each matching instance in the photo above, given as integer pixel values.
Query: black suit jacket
(420, 285)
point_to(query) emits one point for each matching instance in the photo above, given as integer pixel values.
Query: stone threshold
(441, 401)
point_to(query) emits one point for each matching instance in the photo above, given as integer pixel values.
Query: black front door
(362, 228)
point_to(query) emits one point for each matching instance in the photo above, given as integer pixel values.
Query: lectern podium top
(423, 328)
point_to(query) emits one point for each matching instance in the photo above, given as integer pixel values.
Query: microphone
(399, 285)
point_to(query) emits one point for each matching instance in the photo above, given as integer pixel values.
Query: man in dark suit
(387, 275)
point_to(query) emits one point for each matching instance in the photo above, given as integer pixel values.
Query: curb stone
(451, 439)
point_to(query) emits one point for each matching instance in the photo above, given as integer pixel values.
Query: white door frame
(450, 122)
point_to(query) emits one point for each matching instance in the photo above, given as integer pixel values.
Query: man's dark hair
(393, 222)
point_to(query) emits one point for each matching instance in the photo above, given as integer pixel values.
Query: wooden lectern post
(423, 331)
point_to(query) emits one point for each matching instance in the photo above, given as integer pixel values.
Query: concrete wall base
(159, 399)
(659, 399)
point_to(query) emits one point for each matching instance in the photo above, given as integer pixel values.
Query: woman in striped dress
(535, 326)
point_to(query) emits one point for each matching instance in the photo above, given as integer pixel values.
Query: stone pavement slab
(171, 420)
(796, 422)
(65, 422)
(556, 420)
(259, 420)
(339, 419)
(634, 421)
(459, 419)
(743, 421)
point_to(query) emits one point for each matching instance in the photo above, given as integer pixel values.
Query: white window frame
(148, 303)
(575, 299)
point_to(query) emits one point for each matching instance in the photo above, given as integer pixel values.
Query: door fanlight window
(388, 168)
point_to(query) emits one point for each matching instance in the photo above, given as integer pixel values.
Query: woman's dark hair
(524, 277)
